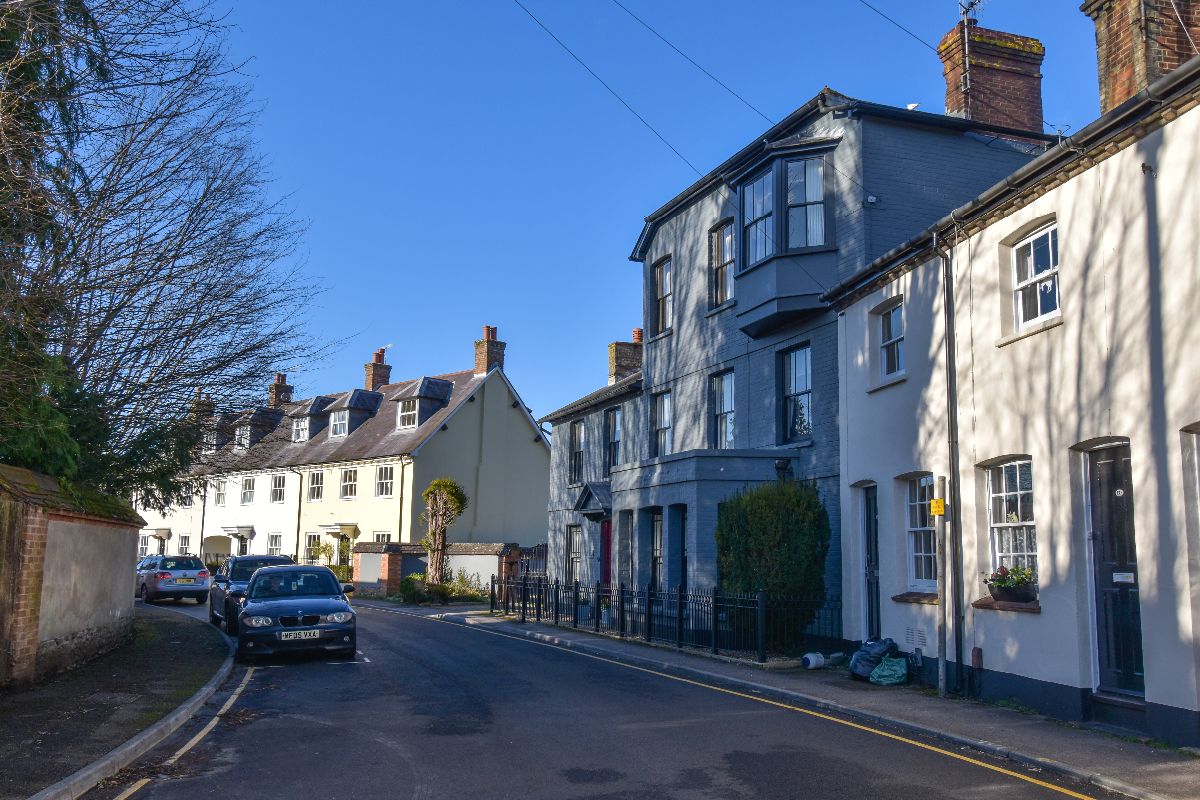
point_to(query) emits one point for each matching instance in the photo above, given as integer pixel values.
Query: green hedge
(774, 537)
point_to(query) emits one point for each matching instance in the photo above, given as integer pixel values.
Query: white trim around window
(383, 480)
(922, 538)
(247, 491)
(349, 488)
(1011, 524)
(278, 488)
(300, 429)
(1035, 278)
(316, 486)
(339, 423)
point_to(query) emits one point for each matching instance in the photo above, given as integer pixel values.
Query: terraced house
(738, 378)
(293, 476)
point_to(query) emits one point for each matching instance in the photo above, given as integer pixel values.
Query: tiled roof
(628, 385)
(430, 388)
(377, 437)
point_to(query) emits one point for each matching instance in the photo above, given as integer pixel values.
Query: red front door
(606, 552)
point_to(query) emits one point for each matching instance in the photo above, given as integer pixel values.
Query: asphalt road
(433, 709)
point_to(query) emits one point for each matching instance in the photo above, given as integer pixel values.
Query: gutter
(1068, 151)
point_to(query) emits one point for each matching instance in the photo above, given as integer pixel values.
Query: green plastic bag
(892, 671)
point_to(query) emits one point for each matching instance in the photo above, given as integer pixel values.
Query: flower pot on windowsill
(1013, 594)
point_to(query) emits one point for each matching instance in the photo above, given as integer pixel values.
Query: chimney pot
(624, 358)
(376, 372)
(637, 335)
(489, 352)
(279, 392)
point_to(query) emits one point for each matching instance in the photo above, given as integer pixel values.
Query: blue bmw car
(292, 608)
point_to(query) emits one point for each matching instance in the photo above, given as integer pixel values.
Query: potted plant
(1014, 585)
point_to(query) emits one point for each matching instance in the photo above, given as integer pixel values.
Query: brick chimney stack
(202, 406)
(489, 352)
(624, 358)
(1003, 84)
(1140, 41)
(279, 392)
(377, 372)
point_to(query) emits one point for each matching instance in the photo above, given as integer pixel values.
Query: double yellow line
(786, 706)
(195, 740)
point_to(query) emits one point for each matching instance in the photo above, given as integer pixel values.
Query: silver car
(160, 577)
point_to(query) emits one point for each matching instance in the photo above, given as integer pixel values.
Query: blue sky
(456, 168)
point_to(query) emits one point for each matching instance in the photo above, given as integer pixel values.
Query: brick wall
(1139, 41)
(1005, 79)
(25, 539)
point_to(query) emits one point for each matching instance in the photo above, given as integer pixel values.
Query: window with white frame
(805, 203)
(210, 440)
(185, 501)
(796, 394)
(241, 436)
(349, 484)
(722, 410)
(408, 414)
(185, 544)
(612, 438)
(247, 491)
(274, 544)
(758, 208)
(922, 539)
(219, 493)
(383, 536)
(1035, 277)
(312, 541)
(143, 546)
(383, 481)
(243, 547)
(574, 552)
(657, 576)
(575, 453)
(664, 439)
(663, 292)
(891, 341)
(316, 486)
(1010, 515)
(721, 255)
(278, 485)
(300, 429)
(339, 423)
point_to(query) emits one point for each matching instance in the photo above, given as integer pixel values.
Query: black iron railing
(739, 624)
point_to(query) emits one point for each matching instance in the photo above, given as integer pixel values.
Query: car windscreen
(181, 563)
(242, 570)
(294, 584)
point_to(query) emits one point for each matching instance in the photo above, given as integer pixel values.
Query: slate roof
(376, 437)
(430, 388)
(628, 385)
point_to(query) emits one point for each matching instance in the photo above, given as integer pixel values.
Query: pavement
(1126, 765)
(82, 721)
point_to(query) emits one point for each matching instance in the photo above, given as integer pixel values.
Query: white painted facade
(1116, 365)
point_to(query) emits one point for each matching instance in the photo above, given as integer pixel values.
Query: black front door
(1114, 554)
(871, 527)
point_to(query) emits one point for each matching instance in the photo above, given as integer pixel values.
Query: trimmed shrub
(439, 592)
(412, 589)
(774, 537)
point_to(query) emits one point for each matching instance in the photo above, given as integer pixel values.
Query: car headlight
(338, 617)
(258, 622)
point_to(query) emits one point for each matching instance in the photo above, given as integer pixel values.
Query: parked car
(175, 577)
(229, 586)
(295, 608)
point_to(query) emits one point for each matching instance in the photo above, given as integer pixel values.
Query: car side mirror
(347, 588)
(237, 594)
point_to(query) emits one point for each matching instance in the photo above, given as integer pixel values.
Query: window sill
(728, 304)
(1032, 330)
(807, 441)
(656, 337)
(992, 604)
(919, 598)
(891, 380)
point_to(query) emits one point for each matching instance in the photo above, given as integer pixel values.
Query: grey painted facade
(887, 174)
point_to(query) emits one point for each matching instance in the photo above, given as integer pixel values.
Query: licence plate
(299, 634)
(185, 580)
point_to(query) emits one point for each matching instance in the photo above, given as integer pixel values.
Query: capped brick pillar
(279, 392)
(377, 372)
(624, 358)
(1140, 41)
(489, 352)
(1003, 85)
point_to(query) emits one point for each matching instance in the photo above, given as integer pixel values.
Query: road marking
(757, 699)
(195, 740)
(129, 792)
(365, 659)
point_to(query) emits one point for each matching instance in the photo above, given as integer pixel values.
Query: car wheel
(213, 618)
(147, 598)
(201, 599)
(231, 623)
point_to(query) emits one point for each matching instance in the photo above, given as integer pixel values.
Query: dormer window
(339, 423)
(408, 414)
(210, 441)
(241, 436)
(300, 429)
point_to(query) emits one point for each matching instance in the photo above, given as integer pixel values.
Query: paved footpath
(450, 706)
(1122, 763)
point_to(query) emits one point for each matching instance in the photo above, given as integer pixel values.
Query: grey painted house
(738, 382)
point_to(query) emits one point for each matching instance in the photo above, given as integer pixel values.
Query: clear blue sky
(457, 168)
